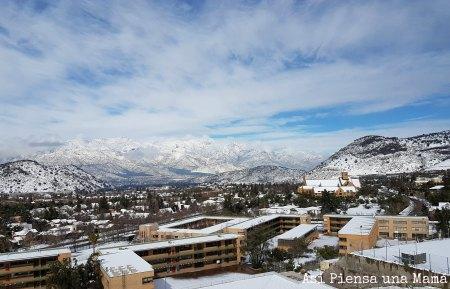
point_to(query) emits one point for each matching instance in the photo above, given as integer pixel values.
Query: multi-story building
(187, 228)
(332, 223)
(388, 227)
(360, 233)
(125, 269)
(28, 269)
(288, 240)
(272, 224)
(403, 227)
(181, 256)
(268, 225)
(343, 186)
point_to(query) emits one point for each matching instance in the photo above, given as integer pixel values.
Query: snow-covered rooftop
(180, 242)
(297, 232)
(228, 221)
(439, 187)
(323, 183)
(16, 256)
(122, 262)
(358, 225)
(255, 221)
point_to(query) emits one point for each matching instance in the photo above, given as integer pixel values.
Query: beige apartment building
(389, 227)
(403, 227)
(206, 225)
(125, 269)
(187, 228)
(268, 225)
(359, 234)
(288, 240)
(182, 256)
(28, 269)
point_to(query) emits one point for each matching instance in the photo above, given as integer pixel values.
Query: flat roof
(229, 221)
(262, 219)
(297, 232)
(376, 216)
(270, 280)
(179, 242)
(122, 262)
(359, 225)
(17, 256)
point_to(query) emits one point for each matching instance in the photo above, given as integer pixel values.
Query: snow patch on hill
(30, 177)
(387, 155)
(126, 161)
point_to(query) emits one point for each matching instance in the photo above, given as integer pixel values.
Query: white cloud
(186, 70)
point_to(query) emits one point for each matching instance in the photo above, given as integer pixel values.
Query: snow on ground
(189, 283)
(83, 255)
(445, 165)
(324, 240)
(307, 258)
(437, 254)
(366, 210)
(408, 209)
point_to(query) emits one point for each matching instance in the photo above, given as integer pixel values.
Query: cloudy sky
(308, 74)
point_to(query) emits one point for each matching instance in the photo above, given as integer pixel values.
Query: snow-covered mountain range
(259, 174)
(29, 176)
(388, 155)
(89, 165)
(123, 161)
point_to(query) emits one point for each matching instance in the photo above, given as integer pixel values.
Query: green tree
(299, 248)
(329, 202)
(5, 245)
(327, 252)
(443, 218)
(68, 275)
(103, 205)
(93, 239)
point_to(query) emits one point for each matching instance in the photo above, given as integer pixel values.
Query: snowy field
(366, 210)
(437, 252)
(190, 283)
(324, 240)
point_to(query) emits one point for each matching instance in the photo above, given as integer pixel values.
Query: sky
(310, 75)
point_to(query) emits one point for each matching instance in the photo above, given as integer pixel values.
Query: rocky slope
(259, 174)
(387, 155)
(29, 177)
(123, 161)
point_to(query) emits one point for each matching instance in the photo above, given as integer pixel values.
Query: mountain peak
(386, 155)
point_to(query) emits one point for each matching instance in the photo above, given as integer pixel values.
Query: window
(147, 280)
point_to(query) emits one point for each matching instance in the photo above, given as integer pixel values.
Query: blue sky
(311, 75)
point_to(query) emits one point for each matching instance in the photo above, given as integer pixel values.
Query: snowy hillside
(387, 155)
(30, 176)
(125, 161)
(260, 174)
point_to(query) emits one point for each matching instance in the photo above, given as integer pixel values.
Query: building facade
(288, 240)
(343, 186)
(360, 233)
(183, 256)
(125, 269)
(29, 269)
